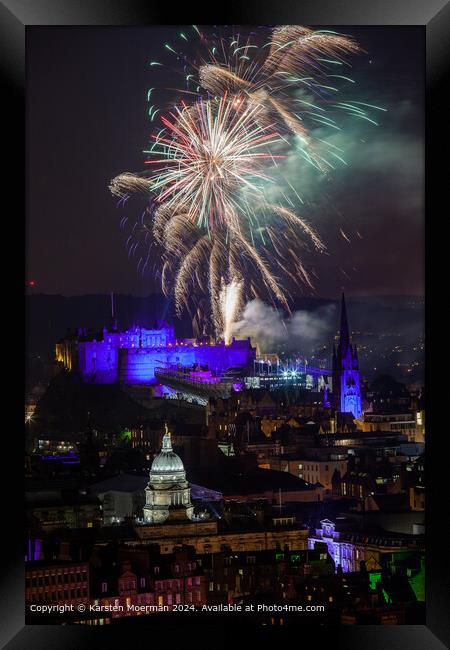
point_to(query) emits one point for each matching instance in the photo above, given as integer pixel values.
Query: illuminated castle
(346, 384)
(131, 356)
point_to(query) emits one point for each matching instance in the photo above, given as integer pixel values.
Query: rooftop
(255, 481)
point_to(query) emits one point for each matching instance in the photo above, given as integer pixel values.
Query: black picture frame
(433, 15)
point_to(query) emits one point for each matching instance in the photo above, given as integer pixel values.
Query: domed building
(167, 495)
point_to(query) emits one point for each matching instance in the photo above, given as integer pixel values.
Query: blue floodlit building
(346, 383)
(131, 356)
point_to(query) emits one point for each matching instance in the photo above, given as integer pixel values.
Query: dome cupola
(167, 463)
(167, 495)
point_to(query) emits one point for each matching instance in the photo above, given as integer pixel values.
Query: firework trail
(231, 305)
(210, 164)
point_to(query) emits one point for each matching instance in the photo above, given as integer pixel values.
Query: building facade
(316, 466)
(66, 582)
(176, 580)
(404, 423)
(349, 548)
(205, 537)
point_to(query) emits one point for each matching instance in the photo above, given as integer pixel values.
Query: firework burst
(208, 182)
(210, 164)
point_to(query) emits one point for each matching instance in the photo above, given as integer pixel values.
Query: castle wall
(98, 361)
(131, 356)
(138, 365)
(66, 353)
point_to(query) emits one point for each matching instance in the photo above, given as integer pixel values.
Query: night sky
(87, 122)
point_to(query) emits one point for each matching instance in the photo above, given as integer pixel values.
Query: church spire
(346, 383)
(344, 335)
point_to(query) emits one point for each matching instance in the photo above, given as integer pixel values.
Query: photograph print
(224, 415)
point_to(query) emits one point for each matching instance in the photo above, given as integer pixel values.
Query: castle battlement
(131, 356)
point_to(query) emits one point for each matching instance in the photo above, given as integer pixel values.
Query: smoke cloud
(300, 332)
